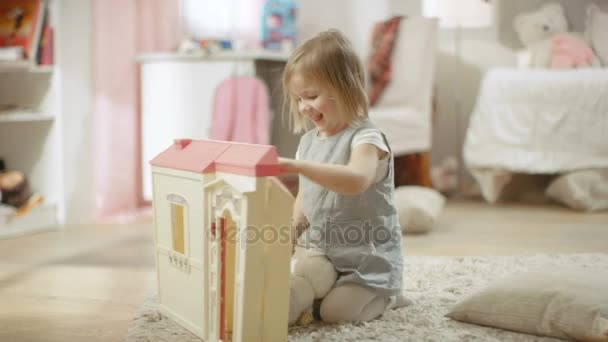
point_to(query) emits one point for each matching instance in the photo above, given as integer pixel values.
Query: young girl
(344, 208)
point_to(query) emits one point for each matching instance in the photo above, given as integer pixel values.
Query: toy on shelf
(16, 193)
(279, 25)
(222, 233)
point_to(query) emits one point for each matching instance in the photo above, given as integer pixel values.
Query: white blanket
(537, 121)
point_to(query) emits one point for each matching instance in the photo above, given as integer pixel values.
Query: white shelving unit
(30, 140)
(24, 66)
(41, 218)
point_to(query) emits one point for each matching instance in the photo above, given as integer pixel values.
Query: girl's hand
(288, 165)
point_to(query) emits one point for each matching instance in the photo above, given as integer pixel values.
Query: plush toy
(419, 208)
(569, 51)
(15, 191)
(535, 30)
(544, 34)
(313, 275)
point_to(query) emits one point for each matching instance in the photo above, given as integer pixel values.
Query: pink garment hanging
(241, 112)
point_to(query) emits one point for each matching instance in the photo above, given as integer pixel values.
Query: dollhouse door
(214, 281)
(228, 248)
(223, 285)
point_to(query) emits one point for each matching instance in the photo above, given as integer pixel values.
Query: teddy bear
(312, 277)
(548, 43)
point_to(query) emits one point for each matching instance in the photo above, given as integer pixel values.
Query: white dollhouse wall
(260, 292)
(180, 276)
(189, 258)
(267, 297)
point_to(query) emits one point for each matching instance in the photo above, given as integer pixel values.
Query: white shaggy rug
(435, 283)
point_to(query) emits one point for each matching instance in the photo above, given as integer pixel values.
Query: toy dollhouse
(221, 227)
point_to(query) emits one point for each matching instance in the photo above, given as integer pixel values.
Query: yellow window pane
(177, 218)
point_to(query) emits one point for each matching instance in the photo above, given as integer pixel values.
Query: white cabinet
(177, 94)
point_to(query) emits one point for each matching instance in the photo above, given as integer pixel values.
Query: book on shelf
(22, 24)
(45, 52)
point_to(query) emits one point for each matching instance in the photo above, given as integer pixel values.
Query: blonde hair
(329, 59)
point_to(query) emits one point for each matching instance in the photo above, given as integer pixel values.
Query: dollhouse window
(178, 222)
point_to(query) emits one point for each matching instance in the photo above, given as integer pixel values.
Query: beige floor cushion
(566, 303)
(418, 208)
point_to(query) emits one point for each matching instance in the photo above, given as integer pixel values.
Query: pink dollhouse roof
(206, 156)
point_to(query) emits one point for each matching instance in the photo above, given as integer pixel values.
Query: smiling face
(324, 84)
(317, 104)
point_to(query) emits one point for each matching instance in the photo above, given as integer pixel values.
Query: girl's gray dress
(360, 234)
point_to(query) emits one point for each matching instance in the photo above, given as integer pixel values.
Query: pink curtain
(121, 30)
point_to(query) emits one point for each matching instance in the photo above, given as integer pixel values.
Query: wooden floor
(86, 283)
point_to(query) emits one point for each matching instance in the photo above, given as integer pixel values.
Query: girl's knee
(332, 312)
(343, 305)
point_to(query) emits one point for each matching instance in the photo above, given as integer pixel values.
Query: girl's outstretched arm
(351, 179)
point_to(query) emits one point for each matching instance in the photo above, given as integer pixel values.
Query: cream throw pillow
(566, 303)
(418, 208)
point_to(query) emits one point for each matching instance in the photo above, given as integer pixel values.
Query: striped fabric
(384, 35)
